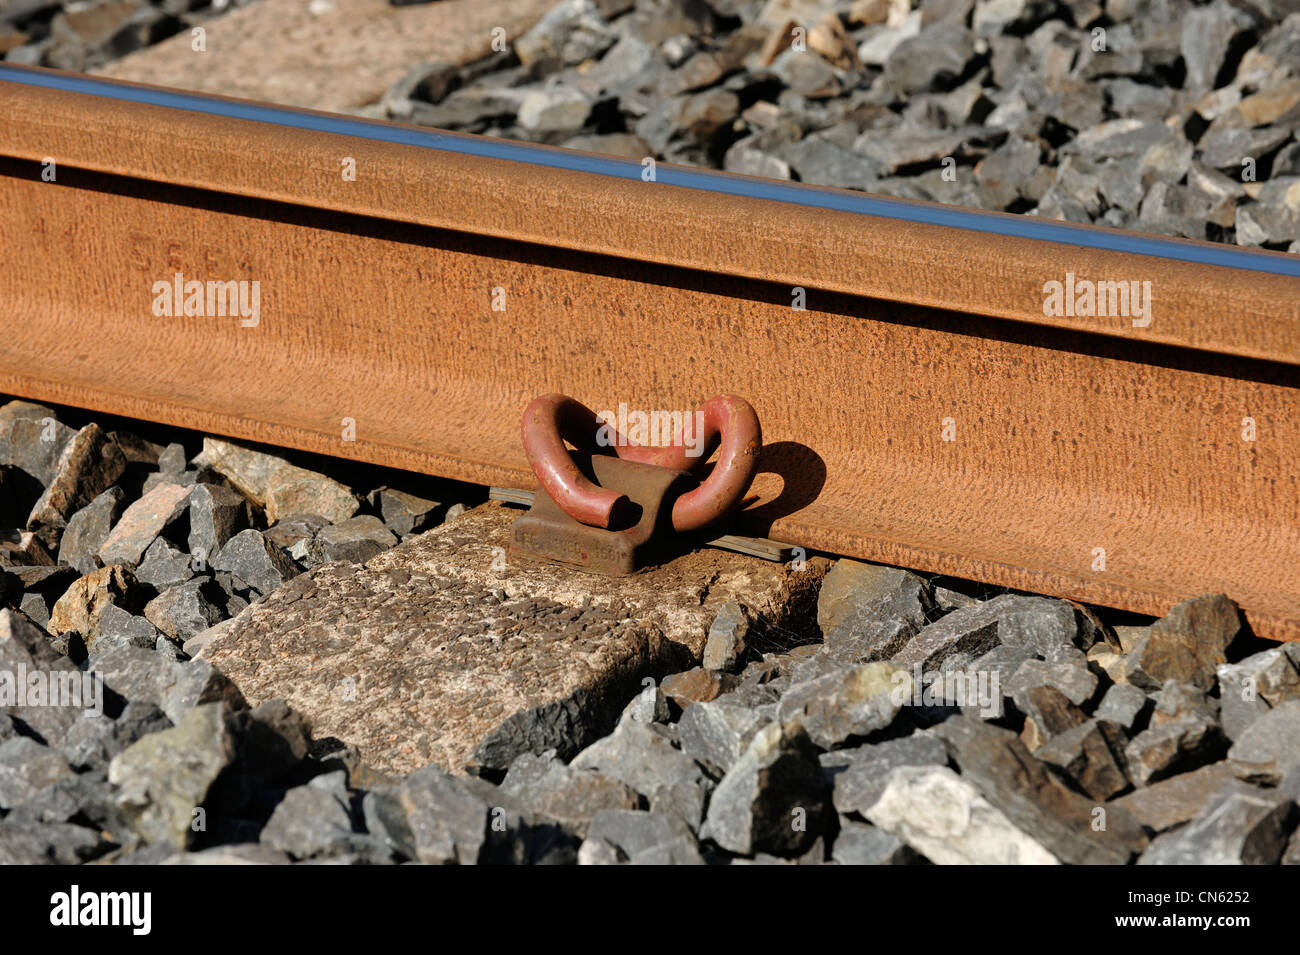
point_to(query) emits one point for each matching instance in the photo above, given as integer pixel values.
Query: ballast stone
(859, 776)
(24, 646)
(868, 612)
(142, 522)
(88, 465)
(1034, 800)
(946, 819)
(442, 650)
(852, 702)
(860, 844)
(1243, 825)
(88, 528)
(775, 784)
(32, 439)
(1171, 802)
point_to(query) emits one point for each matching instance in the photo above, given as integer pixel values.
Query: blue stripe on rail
(1025, 227)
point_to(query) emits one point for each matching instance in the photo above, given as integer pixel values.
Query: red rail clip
(632, 494)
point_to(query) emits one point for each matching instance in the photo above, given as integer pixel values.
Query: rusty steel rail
(921, 409)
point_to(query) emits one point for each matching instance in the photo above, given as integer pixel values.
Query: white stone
(944, 817)
(876, 49)
(557, 109)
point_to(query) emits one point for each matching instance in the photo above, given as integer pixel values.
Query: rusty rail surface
(921, 409)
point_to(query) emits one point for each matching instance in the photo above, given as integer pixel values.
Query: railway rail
(959, 392)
